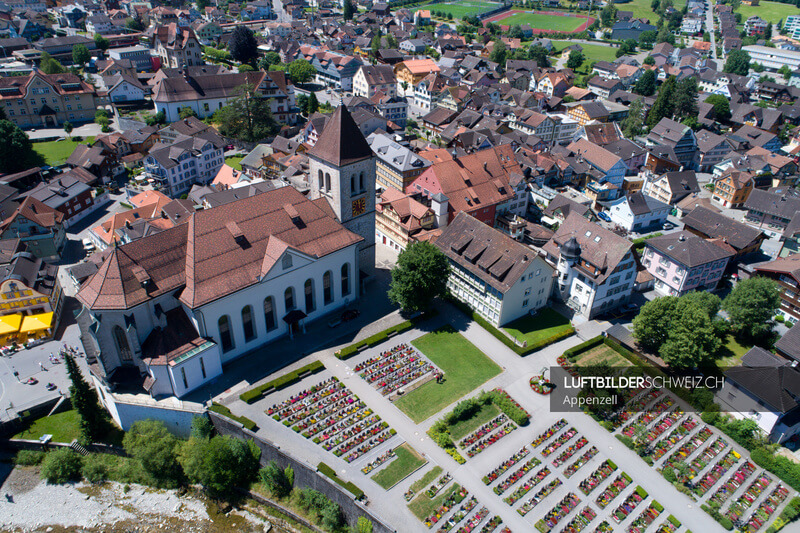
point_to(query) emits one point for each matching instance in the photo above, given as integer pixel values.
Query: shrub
(571, 353)
(150, 443)
(627, 441)
(255, 394)
(29, 457)
(243, 420)
(504, 402)
(94, 470)
(779, 318)
(61, 465)
(349, 486)
(276, 480)
(323, 509)
(464, 410)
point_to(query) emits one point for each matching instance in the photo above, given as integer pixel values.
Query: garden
(545, 324)
(406, 461)
(55, 153)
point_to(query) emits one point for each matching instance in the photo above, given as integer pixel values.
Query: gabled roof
(688, 249)
(341, 142)
(718, 226)
(37, 212)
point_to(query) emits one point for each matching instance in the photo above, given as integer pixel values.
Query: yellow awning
(36, 322)
(9, 324)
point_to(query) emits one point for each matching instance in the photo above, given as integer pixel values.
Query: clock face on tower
(359, 206)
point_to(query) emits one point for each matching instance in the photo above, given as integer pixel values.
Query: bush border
(330, 473)
(381, 336)
(224, 411)
(256, 393)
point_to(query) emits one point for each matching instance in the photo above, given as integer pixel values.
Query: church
(165, 313)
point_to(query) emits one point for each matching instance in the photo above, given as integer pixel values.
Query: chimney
(681, 237)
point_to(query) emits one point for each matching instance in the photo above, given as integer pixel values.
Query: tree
(247, 117)
(50, 65)
(786, 72)
(646, 85)
(575, 59)
(202, 428)
(67, 128)
(627, 47)
(686, 98)
(301, 71)
(651, 326)
(391, 41)
(647, 38)
(710, 303)
(515, 32)
(691, 340)
(751, 306)
(101, 42)
(722, 107)
(271, 58)
(419, 277)
(738, 62)
(16, 150)
(134, 24)
(302, 103)
(313, 104)
(498, 54)
(158, 118)
(364, 525)
(154, 448)
(348, 10)
(375, 45)
(664, 104)
(632, 124)
(219, 464)
(608, 15)
(664, 35)
(276, 480)
(539, 54)
(202, 5)
(186, 112)
(80, 54)
(243, 45)
(649, 60)
(61, 465)
(94, 423)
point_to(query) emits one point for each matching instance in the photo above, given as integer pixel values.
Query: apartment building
(786, 272)
(177, 46)
(179, 164)
(676, 136)
(733, 188)
(46, 100)
(672, 187)
(773, 58)
(372, 79)
(397, 165)
(682, 262)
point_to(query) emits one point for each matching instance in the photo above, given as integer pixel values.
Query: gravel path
(37, 506)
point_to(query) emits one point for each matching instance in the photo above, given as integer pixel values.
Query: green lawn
(422, 506)
(541, 21)
(544, 325)
(56, 152)
(731, 353)
(234, 162)
(64, 427)
(460, 9)
(591, 53)
(769, 11)
(427, 479)
(407, 461)
(462, 428)
(641, 8)
(464, 366)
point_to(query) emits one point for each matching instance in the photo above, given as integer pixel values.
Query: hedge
(224, 411)
(724, 521)
(502, 337)
(505, 403)
(569, 353)
(641, 492)
(349, 486)
(374, 340)
(675, 521)
(255, 394)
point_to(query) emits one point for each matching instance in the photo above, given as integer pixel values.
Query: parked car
(604, 216)
(668, 225)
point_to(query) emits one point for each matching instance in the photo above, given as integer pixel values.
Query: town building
(397, 165)
(770, 212)
(711, 224)
(38, 226)
(733, 188)
(47, 100)
(672, 187)
(496, 276)
(677, 136)
(139, 56)
(177, 46)
(638, 212)
(773, 58)
(682, 262)
(177, 165)
(595, 268)
(409, 73)
(399, 219)
(786, 273)
(372, 79)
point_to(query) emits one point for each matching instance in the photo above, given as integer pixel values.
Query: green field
(460, 9)
(544, 325)
(641, 9)
(769, 11)
(546, 22)
(234, 162)
(731, 353)
(591, 53)
(56, 152)
(422, 506)
(464, 366)
(407, 461)
(64, 427)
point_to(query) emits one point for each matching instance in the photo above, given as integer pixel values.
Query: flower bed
(459, 515)
(543, 493)
(541, 385)
(527, 486)
(379, 436)
(550, 520)
(688, 448)
(739, 507)
(634, 406)
(638, 425)
(767, 508)
(716, 472)
(647, 517)
(516, 476)
(505, 465)
(675, 436)
(629, 505)
(372, 465)
(582, 460)
(394, 368)
(552, 430)
(706, 456)
(434, 489)
(571, 450)
(581, 520)
(492, 524)
(559, 442)
(454, 499)
(474, 520)
(594, 479)
(613, 490)
(482, 431)
(667, 527)
(603, 527)
(482, 444)
(732, 483)
(666, 422)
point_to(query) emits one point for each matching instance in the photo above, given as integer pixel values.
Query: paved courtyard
(579, 446)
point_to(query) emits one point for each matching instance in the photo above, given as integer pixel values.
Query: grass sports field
(544, 22)
(769, 11)
(461, 9)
